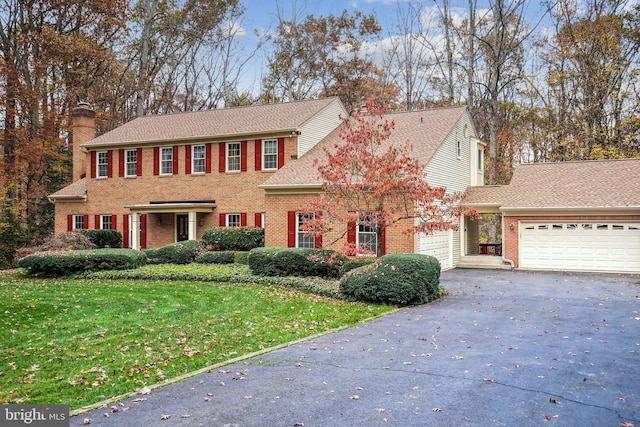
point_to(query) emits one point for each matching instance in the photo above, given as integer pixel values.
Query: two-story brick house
(170, 177)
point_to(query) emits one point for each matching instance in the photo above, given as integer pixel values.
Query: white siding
(320, 126)
(445, 169)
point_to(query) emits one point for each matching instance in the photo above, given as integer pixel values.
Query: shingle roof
(425, 129)
(584, 184)
(227, 122)
(77, 189)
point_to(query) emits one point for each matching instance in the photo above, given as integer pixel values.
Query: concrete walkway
(504, 348)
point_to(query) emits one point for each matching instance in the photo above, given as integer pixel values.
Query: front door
(182, 227)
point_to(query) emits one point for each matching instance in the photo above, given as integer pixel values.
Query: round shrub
(233, 238)
(176, 253)
(395, 279)
(353, 263)
(216, 257)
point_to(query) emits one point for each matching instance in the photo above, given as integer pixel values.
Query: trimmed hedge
(64, 263)
(216, 257)
(233, 238)
(396, 279)
(104, 238)
(176, 253)
(353, 263)
(295, 262)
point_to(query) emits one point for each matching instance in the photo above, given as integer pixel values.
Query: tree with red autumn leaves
(375, 183)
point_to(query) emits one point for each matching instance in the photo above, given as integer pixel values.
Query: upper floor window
(102, 164)
(198, 157)
(480, 159)
(233, 157)
(304, 238)
(166, 160)
(106, 222)
(458, 149)
(131, 162)
(270, 154)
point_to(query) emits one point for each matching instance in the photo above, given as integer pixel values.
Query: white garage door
(439, 245)
(586, 246)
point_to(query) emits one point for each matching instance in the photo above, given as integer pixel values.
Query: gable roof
(425, 129)
(233, 122)
(588, 184)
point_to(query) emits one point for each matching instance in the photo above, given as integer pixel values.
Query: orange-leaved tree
(372, 182)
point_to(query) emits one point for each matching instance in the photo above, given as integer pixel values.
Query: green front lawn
(81, 341)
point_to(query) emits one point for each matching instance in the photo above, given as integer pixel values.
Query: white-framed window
(198, 159)
(270, 154)
(106, 222)
(367, 234)
(458, 149)
(102, 164)
(131, 163)
(233, 220)
(166, 161)
(233, 157)
(304, 238)
(78, 222)
(480, 159)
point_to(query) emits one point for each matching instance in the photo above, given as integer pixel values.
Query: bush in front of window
(216, 257)
(64, 263)
(295, 262)
(233, 238)
(104, 238)
(184, 252)
(395, 279)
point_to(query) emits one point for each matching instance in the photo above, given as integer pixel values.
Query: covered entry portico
(164, 222)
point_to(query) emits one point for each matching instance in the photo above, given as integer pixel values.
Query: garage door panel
(596, 246)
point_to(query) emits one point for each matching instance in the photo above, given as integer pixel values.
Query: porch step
(483, 261)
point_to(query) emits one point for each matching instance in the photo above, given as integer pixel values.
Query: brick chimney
(83, 120)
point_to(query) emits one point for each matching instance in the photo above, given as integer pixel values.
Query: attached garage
(583, 246)
(439, 244)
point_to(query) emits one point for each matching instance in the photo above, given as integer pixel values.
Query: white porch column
(135, 230)
(192, 225)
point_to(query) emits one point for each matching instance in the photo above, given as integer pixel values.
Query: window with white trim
(166, 161)
(270, 154)
(233, 220)
(304, 238)
(131, 163)
(102, 164)
(233, 157)
(105, 222)
(480, 159)
(78, 222)
(198, 159)
(367, 234)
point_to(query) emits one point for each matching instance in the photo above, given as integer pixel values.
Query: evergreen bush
(233, 238)
(104, 238)
(184, 252)
(216, 257)
(63, 263)
(295, 262)
(396, 279)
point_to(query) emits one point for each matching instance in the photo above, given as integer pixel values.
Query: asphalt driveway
(502, 349)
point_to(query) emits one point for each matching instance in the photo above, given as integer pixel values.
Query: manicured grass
(81, 341)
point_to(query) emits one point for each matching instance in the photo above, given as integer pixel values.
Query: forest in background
(565, 90)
